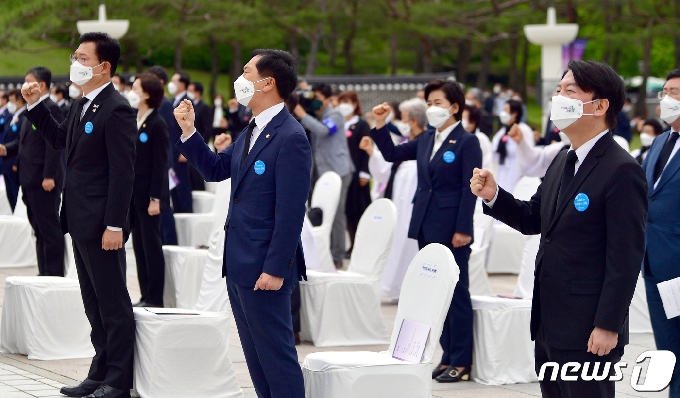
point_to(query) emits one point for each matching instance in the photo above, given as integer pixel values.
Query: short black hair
(61, 89)
(106, 47)
(292, 101)
(159, 72)
(674, 74)
(16, 93)
(5, 96)
(516, 107)
(41, 74)
(601, 80)
(280, 65)
(198, 86)
(452, 92)
(324, 89)
(658, 129)
(474, 114)
(184, 78)
(152, 86)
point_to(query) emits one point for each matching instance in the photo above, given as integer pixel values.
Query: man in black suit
(182, 201)
(238, 117)
(17, 118)
(204, 120)
(41, 177)
(59, 95)
(99, 138)
(590, 211)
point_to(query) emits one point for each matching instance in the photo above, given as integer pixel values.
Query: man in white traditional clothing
(402, 180)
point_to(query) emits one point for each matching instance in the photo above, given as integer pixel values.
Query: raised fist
(483, 184)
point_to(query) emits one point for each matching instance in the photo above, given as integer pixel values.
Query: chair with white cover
(500, 356)
(326, 196)
(309, 245)
(5, 208)
(525, 281)
(183, 355)
(622, 142)
(17, 242)
(479, 279)
(194, 229)
(191, 273)
(639, 311)
(202, 201)
(425, 298)
(43, 317)
(343, 308)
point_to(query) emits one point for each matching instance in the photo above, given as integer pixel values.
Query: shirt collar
(142, 119)
(44, 97)
(267, 115)
(584, 149)
(179, 95)
(354, 120)
(447, 130)
(61, 102)
(2, 109)
(94, 93)
(15, 118)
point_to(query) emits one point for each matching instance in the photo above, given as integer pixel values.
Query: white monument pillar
(115, 28)
(550, 37)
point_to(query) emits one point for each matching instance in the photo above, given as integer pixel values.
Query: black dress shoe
(105, 391)
(85, 388)
(145, 304)
(437, 371)
(452, 375)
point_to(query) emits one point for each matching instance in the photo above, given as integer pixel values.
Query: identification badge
(259, 167)
(143, 137)
(89, 127)
(449, 157)
(581, 202)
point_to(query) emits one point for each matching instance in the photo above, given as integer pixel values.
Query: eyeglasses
(73, 58)
(674, 92)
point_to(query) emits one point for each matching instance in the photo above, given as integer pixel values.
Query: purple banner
(573, 50)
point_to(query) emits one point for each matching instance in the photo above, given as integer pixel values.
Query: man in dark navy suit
(270, 165)
(17, 108)
(182, 201)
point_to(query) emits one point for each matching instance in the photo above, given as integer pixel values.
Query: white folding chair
(479, 279)
(623, 142)
(639, 311)
(326, 196)
(194, 229)
(17, 242)
(5, 208)
(309, 245)
(343, 308)
(425, 298)
(525, 281)
(202, 201)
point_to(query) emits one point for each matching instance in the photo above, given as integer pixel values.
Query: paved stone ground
(23, 378)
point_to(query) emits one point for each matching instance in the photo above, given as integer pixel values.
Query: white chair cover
(309, 248)
(5, 208)
(17, 243)
(623, 142)
(506, 250)
(43, 317)
(202, 201)
(526, 188)
(362, 374)
(194, 229)
(184, 268)
(211, 186)
(479, 279)
(525, 281)
(213, 294)
(183, 355)
(326, 196)
(343, 308)
(503, 352)
(639, 311)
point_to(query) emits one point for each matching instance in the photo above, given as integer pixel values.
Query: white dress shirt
(15, 117)
(440, 136)
(142, 119)
(581, 154)
(675, 149)
(178, 97)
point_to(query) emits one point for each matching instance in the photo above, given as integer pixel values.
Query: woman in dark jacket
(150, 191)
(359, 193)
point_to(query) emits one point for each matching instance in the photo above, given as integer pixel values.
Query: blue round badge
(143, 137)
(581, 202)
(449, 157)
(2, 120)
(14, 128)
(259, 167)
(89, 127)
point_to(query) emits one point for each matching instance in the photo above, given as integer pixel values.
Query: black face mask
(316, 104)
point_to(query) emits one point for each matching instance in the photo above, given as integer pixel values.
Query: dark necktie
(79, 110)
(246, 144)
(567, 174)
(665, 155)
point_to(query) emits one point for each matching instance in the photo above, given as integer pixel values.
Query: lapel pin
(144, 125)
(267, 136)
(452, 141)
(95, 107)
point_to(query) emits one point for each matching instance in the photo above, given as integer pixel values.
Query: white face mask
(134, 99)
(116, 87)
(670, 109)
(346, 109)
(496, 89)
(469, 102)
(465, 123)
(565, 111)
(81, 74)
(54, 98)
(404, 128)
(191, 96)
(564, 139)
(217, 103)
(73, 92)
(437, 116)
(245, 90)
(505, 118)
(646, 139)
(11, 108)
(172, 88)
(627, 108)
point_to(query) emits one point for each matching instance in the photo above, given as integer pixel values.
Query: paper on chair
(411, 341)
(670, 297)
(169, 311)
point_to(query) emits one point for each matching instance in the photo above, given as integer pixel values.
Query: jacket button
(652, 198)
(430, 189)
(649, 221)
(547, 239)
(235, 200)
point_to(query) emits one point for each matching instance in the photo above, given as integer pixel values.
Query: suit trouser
(148, 247)
(340, 222)
(11, 186)
(666, 331)
(168, 230)
(456, 338)
(266, 330)
(101, 274)
(182, 202)
(43, 214)
(579, 388)
(295, 304)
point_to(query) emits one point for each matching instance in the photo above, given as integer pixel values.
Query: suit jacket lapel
(583, 171)
(668, 172)
(263, 139)
(447, 145)
(424, 156)
(652, 158)
(89, 114)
